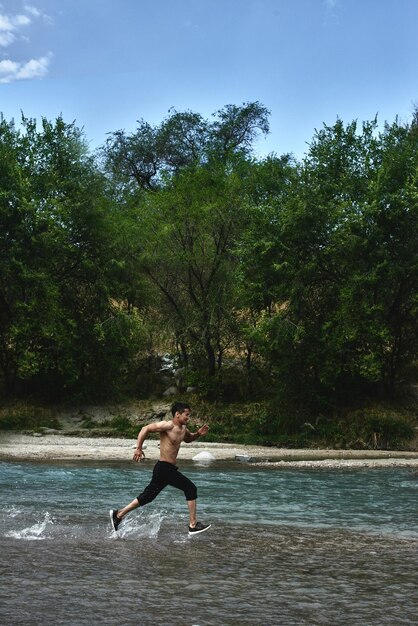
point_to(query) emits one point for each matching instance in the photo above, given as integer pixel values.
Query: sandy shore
(15, 446)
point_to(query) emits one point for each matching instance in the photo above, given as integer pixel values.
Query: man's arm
(189, 437)
(155, 427)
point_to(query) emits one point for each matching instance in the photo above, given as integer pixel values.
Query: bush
(370, 428)
(123, 426)
(384, 431)
(24, 417)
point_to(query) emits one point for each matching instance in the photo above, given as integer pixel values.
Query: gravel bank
(14, 446)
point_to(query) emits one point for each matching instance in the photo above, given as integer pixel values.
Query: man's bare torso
(170, 441)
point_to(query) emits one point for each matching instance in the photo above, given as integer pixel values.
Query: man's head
(181, 410)
(179, 407)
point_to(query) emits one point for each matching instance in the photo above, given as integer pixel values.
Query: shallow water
(289, 547)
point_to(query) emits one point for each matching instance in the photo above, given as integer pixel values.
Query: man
(172, 434)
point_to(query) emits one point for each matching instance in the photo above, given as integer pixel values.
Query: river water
(287, 547)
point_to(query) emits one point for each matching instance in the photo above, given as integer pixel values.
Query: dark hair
(180, 407)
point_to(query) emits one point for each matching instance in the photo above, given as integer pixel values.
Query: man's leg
(116, 515)
(148, 495)
(192, 512)
(180, 481)
(126, 509)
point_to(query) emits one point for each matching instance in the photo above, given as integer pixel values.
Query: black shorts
(164, 474)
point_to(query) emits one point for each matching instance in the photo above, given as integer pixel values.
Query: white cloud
(11, 29)
(6, 25)
(10, 25)
(22, 20)
(11, 71)
(6, 38)
(32, 10)
(35, 13)
(8, 67)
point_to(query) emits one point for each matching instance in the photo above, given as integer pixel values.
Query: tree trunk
(184, 354)
(248, 368)
(211, 357)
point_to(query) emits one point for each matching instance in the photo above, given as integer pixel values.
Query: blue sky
(107, 63)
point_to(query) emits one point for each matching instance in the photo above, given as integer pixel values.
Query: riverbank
(16, 446)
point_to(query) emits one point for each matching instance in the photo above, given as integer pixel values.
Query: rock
(171, 391)
(179, 373)
(204, 456)
(166, 362)
(243, 458)
(179, 378)
(160, 410)
(190, 389)
(165, 380)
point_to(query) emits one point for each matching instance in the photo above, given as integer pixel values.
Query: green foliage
(121, 426)
(88, 423)
(264, 423)
(384, 430)
(117, 426)
(191, 173)
(340, 316)
(52, 227)
(266, 278)
(150, 156)
(370, 428)
(26, 417)
(61, 333)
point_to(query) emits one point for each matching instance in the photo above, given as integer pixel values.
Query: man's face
(183, 417)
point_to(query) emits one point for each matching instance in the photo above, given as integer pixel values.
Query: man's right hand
(139, 455)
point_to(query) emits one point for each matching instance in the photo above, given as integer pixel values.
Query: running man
(172, 434)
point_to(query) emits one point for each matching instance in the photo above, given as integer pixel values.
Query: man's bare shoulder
(158, 427)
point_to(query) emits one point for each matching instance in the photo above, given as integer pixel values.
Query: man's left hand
(203, 430)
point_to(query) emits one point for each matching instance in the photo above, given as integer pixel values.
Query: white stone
(204, 456)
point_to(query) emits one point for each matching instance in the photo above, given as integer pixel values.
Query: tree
(194, 205)
(54, 296)
(150, 155)
(346, 251)
(190, 236)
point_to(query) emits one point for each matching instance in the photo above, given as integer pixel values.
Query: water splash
(139, 526)
(12, 512)
(36, 532)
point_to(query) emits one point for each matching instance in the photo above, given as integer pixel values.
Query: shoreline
(16, 447)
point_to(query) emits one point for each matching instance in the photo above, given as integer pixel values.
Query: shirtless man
(172, 434)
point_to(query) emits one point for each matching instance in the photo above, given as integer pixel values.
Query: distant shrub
(386, 430)
(370, 428)
(123, 426)
(23, 417)
(88, 423)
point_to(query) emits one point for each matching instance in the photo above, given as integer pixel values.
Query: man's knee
(191, 492)
(149, 494)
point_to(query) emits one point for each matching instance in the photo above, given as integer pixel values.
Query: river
(286, 547)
